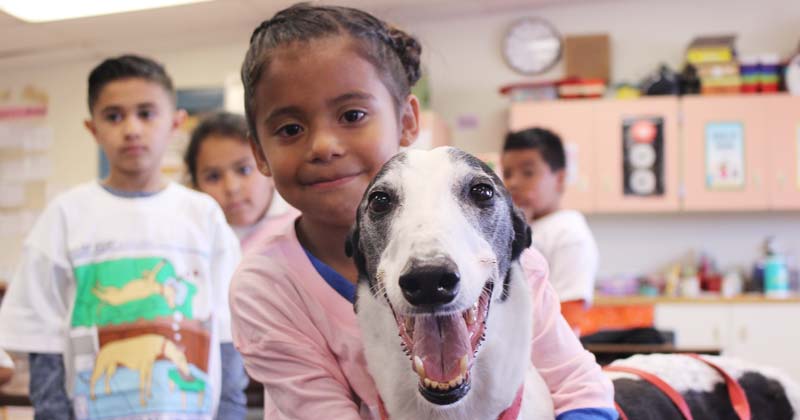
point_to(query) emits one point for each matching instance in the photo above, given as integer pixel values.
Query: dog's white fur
(430, 222)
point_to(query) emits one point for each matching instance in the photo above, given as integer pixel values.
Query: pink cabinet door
(724, 153)
(783, 134)
(573, 122)
(636, 155)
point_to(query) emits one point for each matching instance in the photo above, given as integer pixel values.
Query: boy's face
(326, 124)
(534, 187)
(133, 119)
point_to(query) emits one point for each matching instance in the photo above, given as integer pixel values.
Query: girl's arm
(283, 349)
(578, 386)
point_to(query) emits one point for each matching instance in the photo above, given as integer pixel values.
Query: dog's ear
(352, 249)
(522, 233)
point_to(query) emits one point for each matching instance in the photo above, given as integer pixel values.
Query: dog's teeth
(459, 380)
(419, 367)
(427, 382)
(409, 325)
(463, 364)
(456, 381)
(472, 315)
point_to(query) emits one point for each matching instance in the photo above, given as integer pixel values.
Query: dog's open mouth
(443, 347)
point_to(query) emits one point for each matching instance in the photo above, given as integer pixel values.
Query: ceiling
(216, 22)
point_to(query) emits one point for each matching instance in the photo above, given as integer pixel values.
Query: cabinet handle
(715, 335)
(743, 334)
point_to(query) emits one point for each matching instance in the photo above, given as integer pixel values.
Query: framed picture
(725, 162)
(643, 156)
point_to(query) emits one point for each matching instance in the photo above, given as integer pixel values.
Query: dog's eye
(481, 192)
(380, 202)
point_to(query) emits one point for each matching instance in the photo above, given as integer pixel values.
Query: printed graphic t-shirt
(132, 292)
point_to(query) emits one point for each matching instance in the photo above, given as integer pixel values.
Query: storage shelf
(602, 300)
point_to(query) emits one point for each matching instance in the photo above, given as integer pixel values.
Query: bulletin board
(25, 167)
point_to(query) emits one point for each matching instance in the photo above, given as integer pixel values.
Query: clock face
(532, 46)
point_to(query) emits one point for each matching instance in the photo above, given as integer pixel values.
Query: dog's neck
(510, 413)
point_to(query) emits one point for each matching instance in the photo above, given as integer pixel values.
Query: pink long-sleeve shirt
(300, 338)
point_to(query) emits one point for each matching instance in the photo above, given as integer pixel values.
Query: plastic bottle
(776, 275)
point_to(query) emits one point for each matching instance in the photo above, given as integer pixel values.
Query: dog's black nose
(430, 284)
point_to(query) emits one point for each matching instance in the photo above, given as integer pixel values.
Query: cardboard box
(587, 56)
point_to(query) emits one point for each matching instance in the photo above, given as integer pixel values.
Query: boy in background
(121, 293)
(534, 164)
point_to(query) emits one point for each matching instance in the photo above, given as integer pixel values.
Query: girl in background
(221, 164)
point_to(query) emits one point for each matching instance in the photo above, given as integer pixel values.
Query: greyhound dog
(446, 313)
(436, 243)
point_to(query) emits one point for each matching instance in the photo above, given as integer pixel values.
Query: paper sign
(572, 150)
(725, 165)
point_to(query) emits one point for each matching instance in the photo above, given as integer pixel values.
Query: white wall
(74, 153)
(634, 244)
(462, 54)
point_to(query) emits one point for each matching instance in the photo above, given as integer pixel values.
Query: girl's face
(226, 170)
(326, 124)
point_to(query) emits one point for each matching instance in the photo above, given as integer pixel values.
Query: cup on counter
(690, 286)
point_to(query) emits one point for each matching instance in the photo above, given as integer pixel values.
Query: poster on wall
(725, 165)
(26, 167)
(643, 156)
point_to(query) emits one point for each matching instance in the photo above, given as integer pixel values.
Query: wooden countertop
(601, 300)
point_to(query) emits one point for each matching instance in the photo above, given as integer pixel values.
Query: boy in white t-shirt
(121, 293)
(534, 163)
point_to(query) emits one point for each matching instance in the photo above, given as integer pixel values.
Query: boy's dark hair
(394, 54)
(545, 141)
(224, 124)
(124, 67)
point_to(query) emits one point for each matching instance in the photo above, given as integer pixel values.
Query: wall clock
(532, 46)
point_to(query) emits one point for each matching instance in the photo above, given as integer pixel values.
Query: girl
(327, 97)
(221, 165)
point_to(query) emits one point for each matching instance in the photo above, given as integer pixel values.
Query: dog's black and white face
(435, 235)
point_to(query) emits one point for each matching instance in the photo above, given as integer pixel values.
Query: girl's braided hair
(394, 53)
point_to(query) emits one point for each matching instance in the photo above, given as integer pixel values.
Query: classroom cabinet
(573, 121)
(741, 152)
(636, 154)
(760, 333)
(610, 168)
(783, 154)
(724, 153)
(712, 153)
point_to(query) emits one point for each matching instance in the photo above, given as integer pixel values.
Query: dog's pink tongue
(441, 342)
